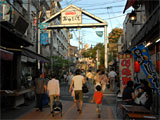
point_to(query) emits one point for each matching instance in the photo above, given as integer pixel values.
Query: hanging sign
(5, 11)
(71, 16)
(141, 54)
(43, 26)
(99, 33)
(44, 38)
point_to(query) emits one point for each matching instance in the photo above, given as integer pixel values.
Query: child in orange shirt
(98, 96)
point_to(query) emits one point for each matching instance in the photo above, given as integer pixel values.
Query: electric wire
(114, 15)
(109, 19)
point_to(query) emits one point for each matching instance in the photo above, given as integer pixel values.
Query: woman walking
(104, 80)
(97, 79)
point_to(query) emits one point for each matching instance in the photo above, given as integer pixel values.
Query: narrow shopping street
(70, 112)
(69, 108)
(102, 54)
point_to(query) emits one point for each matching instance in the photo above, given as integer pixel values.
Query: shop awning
(6, 55)
(10, 37)
(34, 55)
(128, 4)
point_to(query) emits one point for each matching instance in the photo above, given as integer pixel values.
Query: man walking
(53, 90)
(78, 81)
(112, 77)
(40, 89)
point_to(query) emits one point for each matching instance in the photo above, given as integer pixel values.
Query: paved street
(69, 108)
(70, 112)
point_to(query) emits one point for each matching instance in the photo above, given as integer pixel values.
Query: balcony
(13, 26)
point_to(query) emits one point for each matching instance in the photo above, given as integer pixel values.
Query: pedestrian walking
(98, 96)
(97, 79)
(69, 79)
(89, 76)
(53, 91)
(112, 78)
(78, 80)
(40, 89)
(104, 80)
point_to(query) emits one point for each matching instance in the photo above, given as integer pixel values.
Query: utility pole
(79, 44)
(51, 32)
(68, 36)
(106, 47)
(37, 33)
(79, 40)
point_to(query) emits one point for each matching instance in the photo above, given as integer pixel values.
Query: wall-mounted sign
(71, 16)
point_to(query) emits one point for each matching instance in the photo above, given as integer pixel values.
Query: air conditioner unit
(21, 25)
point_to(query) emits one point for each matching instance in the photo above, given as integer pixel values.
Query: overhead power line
(98, 4)
(108, 7)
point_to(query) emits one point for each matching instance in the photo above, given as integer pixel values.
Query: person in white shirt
(78, 81)
(112, 77)
(53, 90)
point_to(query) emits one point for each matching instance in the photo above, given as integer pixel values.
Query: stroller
(57, 107)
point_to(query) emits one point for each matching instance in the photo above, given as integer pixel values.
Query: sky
(109, 10)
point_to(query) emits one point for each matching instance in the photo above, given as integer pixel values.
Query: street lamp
(132, 17)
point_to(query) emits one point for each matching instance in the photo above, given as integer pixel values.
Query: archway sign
(71, 17)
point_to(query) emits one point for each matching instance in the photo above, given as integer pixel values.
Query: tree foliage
(113, 37)
(93, 51)
(115, 34)
(59, 66)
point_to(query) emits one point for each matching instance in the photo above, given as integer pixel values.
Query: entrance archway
(71, 17)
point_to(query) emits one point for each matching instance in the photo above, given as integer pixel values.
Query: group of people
(41, 88)
(75, 84)
(99, 81)
(105, 79)
(137, 94)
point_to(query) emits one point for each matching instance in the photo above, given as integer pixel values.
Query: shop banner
(44, 38)
(126, 71)
(141, 54)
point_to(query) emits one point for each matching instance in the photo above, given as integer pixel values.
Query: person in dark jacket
(40, 89)
(128, 95)
(148, 91)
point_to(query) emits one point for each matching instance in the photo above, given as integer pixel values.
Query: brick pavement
(70, 112)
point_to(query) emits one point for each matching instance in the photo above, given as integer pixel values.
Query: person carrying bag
(78, 80)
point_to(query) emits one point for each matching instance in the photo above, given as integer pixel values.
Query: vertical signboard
(125, 69)
(71, 16)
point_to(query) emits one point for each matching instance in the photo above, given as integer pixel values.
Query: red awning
(128, 4)
(6, 55)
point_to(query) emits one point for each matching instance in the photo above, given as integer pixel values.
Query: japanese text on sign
(125, 65)
(71, 16)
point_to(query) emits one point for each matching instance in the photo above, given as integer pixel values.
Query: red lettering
(125, 80)
(125, 63)
(126, 71)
